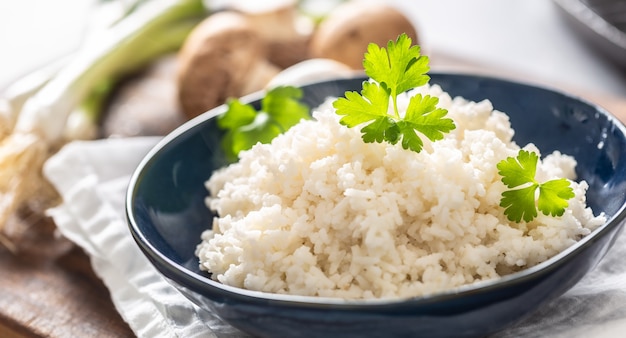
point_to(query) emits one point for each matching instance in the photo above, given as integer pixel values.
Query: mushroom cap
(351, 26)
(214, 61)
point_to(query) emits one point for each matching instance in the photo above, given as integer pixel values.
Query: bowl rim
(190, 279)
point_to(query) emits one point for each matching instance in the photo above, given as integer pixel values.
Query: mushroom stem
(311, 70)
(258, 77)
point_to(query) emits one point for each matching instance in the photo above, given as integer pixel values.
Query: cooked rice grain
(318, 212)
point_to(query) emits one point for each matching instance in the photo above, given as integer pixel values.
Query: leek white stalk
(83, 121)
(123, 48)
(126, 46)
(14, 96)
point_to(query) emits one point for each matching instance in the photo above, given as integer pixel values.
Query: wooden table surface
(50, 290)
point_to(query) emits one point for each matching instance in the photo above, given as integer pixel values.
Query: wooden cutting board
(48, 289)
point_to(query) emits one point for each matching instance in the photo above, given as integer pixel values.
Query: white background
(525, 36)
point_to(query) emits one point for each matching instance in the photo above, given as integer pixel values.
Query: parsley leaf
(371, 106)
(521, 201)
(400, 67)
(245, 126)
(395, 70)
(423, 115)
(553, 196)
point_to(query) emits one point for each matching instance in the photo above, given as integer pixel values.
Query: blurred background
(530, 38)
(559, 43)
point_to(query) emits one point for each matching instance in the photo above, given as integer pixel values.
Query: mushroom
(311, 70)
(351, 26)
(285, 31)
(222, 57)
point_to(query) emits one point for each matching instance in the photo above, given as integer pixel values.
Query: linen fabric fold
(92, 178)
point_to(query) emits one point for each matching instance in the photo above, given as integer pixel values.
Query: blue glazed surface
(166, 214)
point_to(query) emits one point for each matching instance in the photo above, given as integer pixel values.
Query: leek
(150, 30)
(15, 95)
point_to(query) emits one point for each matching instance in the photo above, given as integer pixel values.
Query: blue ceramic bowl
(166, 215)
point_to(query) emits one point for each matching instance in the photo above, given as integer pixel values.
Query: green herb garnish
(395, 70)
(521, 202)
(245, 126)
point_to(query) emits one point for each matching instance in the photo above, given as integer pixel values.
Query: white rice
(318, 212)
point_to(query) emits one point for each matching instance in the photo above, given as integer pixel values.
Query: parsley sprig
(521, 201)
(245, 126)
(395, 70)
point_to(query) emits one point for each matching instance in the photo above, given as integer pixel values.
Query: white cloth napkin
(92, 177)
